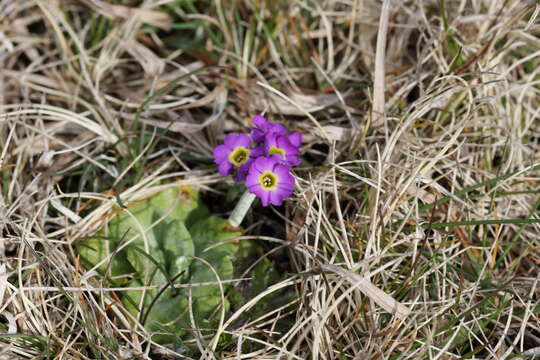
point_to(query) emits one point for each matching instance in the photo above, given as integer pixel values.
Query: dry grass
(414, 114)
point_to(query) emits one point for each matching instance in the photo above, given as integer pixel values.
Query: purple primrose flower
(263, 159)
(281, 145)
(235, 153)
(270, 180)
(263, 127)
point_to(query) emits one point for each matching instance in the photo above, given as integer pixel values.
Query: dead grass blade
(122, 12)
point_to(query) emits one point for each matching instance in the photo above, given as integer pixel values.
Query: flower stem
(241, 208)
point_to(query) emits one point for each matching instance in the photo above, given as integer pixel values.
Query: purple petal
(225, 168)
(261, 194)
(276, 199)
(284, 143)
(278, 195)
(257, 135)
(293, 160)
(277, 129)
(265, 198)
(283, 172)
(221, 152)
(261, 164)
(257, 167)
(233, 140)
(295, 139)
(285, 179)
(263, 127)
(270, 140)
(259, 130)
(260, 121)
(242, 171)
(240, 176)
(252, 178)
(256, 152)
(274, 159)
(230, 140)
(286, 189)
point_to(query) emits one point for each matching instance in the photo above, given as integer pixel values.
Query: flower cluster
(262, 159)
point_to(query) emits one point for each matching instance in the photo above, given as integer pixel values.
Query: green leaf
(174, 245)
(169, 318)
(93, 250)
(212, 231)
(223, 266)
(170, 237)
(176, 202)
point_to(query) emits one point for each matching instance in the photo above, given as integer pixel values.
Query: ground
(413, 230)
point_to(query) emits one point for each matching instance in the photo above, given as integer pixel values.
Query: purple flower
(281, 145)
(235, 153)
(263, 127)
(270, 180)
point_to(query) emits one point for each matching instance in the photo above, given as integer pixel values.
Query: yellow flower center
(268, 180)
(275, 150)
(239, 156)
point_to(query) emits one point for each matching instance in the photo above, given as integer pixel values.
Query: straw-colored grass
(413, 232)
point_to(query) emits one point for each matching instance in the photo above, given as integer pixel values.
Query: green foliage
(168, 238)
